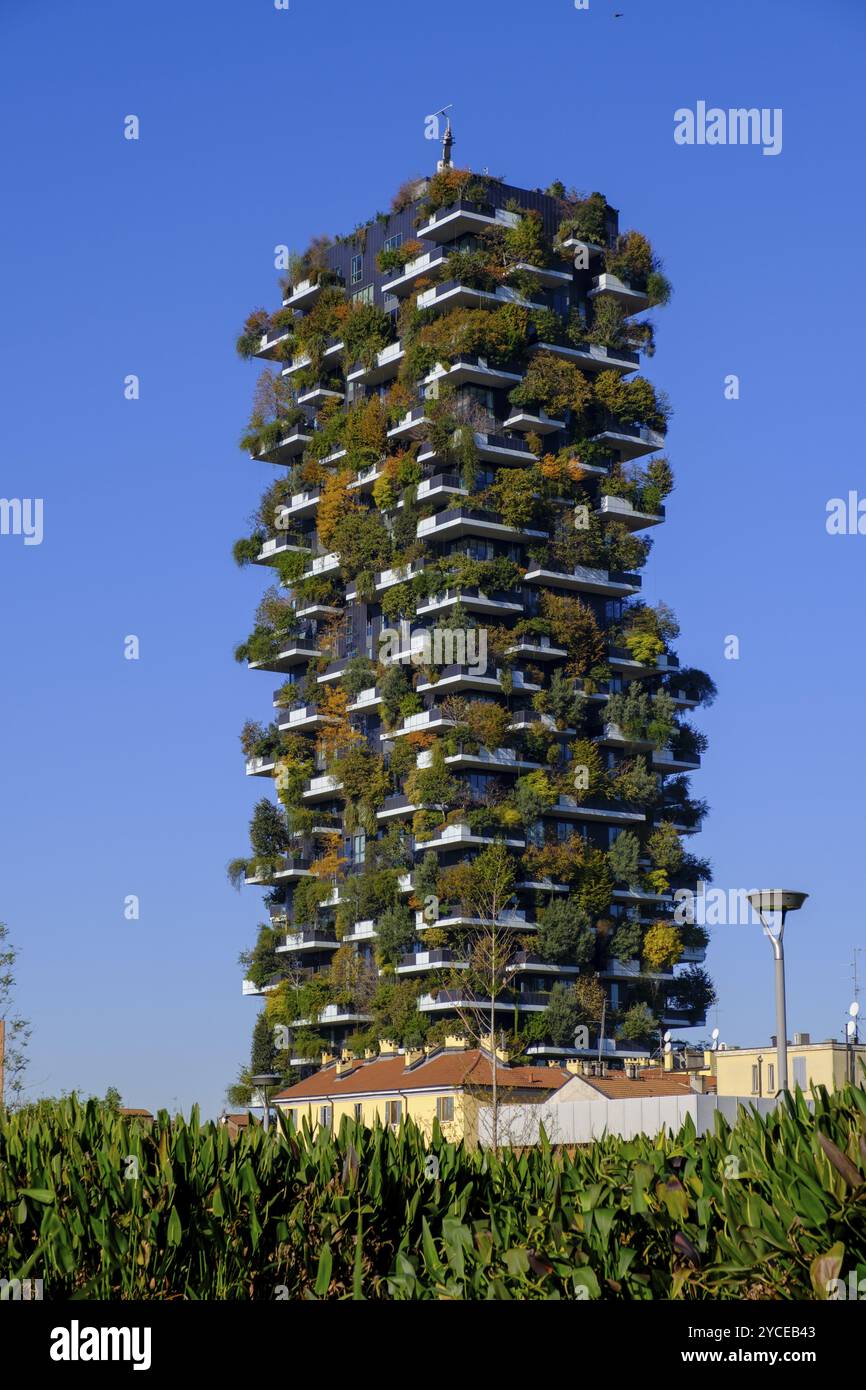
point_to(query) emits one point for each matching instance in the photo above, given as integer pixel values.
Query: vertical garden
(476, 802)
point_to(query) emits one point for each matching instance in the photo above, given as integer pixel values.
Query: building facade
(751, 1071)
(476, 773)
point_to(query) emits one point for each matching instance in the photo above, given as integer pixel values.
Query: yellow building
(752, 1071)
(448, 1083)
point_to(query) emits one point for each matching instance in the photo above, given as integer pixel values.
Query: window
(444, 1108)
(364, 296)
(393, 1112)
(326, 1116)
(357, 269)
(359, 1111)
(755, 1075)
(800, 1072)
(771, 1078)
(359, 848)
(394, 241)
(613, 610)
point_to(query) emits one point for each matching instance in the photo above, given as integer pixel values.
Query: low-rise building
(752, 1071)
(447, 1084)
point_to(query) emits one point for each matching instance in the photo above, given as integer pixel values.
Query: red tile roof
(441, 1071)
(652, 1082)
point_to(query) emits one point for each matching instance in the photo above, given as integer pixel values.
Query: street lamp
(852, 1037)
(262, 1084)
(778, 902)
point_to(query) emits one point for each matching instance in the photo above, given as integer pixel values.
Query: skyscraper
(480, 746)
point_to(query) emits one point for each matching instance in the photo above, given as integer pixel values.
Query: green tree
(565, 935)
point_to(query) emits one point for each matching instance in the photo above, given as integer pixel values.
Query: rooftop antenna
(857, 950)
(447, 140)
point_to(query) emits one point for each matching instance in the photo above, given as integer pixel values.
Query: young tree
(486, 888)
(14, 1030)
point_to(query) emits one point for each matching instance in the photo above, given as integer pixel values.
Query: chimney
(369, 1054)
(573, 1066)
(412, 1057)
(802, 1039)
(345, 1065)
(327, 1059)
(455, 1044)
(387, 1047)
(347, 1055)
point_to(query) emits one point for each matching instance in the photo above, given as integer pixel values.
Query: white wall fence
(582, 1121)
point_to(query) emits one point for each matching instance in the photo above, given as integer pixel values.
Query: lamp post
(261, 1084)
(778, 902)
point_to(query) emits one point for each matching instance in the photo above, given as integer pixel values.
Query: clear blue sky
(261, 127)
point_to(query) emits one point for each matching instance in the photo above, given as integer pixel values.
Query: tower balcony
(664, 760)
(548, 277)
(472, 370)
(510, 919)
(293, 443)
(463, 521)
(296, 652)
(302, 504)
(615, 737)
(285, 868)
(304, 294)
(331, 356)
(621, 509)
(529, 1001)
(485, 760)
(491, 448)
(318, 395)
(323, 564)
(386, 579)
(272, 342)
(622, 661)
(583, 579)
(261, 767)
(441, 485)
(630, 300)
(302, 716)
(527, 961)
(630, 441)
(323, 788)
(474, 600)
(309, 939)
(384, 367)
(453, 678)
(419, 962)
(283, 544)
(452, 294)
(536, 649)
(414, 424)
(361, 931)
(594, 809)
(368, 699)
(426, 721)
(462, 217)
(542, 423)
(462, 837)
(590, 357)
(418, 269)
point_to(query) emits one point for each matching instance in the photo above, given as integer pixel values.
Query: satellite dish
(715, 1035)
(667, 1036)
(851, 1028)
(668, 1048)
(854, 1009)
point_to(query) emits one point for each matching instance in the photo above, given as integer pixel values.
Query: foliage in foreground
(771, 1208)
